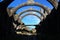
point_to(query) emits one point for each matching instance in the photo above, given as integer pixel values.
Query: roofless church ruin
(12, 27)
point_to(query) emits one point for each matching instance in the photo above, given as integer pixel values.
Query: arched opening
(31, 20)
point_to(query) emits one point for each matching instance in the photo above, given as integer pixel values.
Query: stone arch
(31, 14)
(54, 3)
(32, 4)
(42, 14)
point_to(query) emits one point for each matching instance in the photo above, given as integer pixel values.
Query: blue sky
(30, 19)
